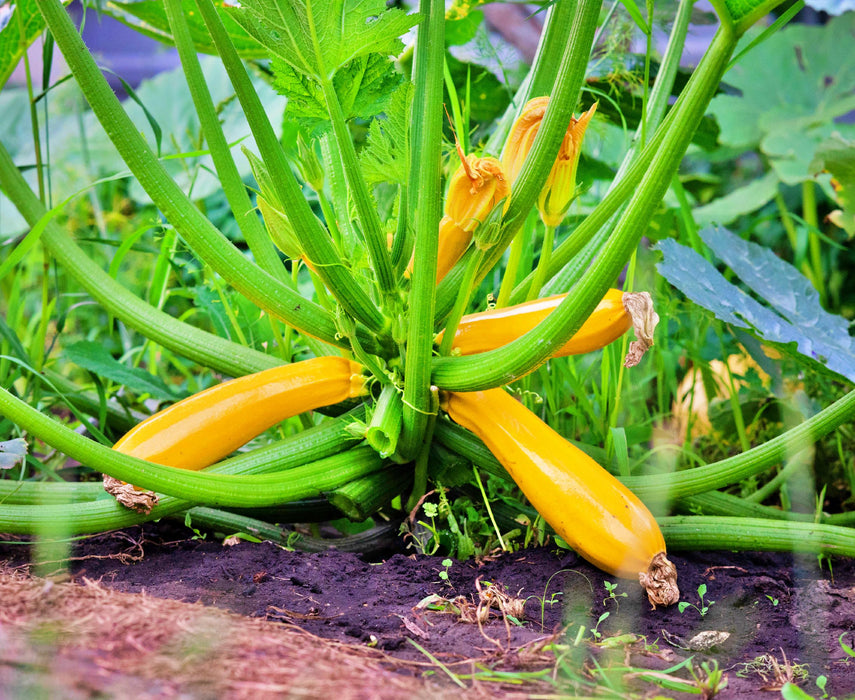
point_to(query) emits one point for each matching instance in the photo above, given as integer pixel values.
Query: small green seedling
(704, 606)
(610, 589)
(843, 645)
(772, 600)
(444, 573)
(594, 630)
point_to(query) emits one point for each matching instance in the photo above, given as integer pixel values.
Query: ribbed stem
(565, 96)
(245, 215)
(366, 212)
(729, 471)
(199, 487)
(206, 241)
(361, 498)
(314, 240)
(425, 187)
(505, 364)
(385, 427)
(198, 345)
(596, 226)
(699, 532)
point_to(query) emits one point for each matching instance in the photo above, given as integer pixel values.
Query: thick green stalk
(208, 243)
(198, 345)
(314, 240)
(384, 429)
(729, 471)
(565, 96)
(718, 503)
(516, 359)
(245, 214)
(199, 487)
(425, 186)
(361, 498)
(544, 69)
(697, 532)
(372, 230)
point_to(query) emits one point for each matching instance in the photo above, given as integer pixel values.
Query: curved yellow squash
(491, 329)
(588, 507)
(202, 429)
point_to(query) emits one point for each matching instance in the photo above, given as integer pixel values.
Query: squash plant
(389, 295)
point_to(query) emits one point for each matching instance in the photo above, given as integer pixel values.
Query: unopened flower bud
(559, 191)
(308, 164)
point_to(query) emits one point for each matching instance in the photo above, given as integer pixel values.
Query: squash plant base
(344, 598)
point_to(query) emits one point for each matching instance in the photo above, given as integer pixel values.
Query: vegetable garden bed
(770, 618)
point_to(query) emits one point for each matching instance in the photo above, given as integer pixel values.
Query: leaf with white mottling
(12, 452)
(795, 317)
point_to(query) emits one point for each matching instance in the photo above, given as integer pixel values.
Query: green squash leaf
(385, 157)
(20, 25)
(319, 38)
(363, 87)
(148, 17)
(793, 319)
(793, 87)
(837, 156)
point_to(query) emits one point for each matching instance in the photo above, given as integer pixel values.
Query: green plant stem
(718, 503)
(199, 487)
(424, 186)
(543, 264)
(510, 274)
(361, 498)
(245, 215)
(597, 224)
(794, 464)
(700, 532)
(206, 241)
(369, 221)
(505, 364)
(815, 246)
(384, 429)
(313, 238)
(538, 163)
(461, 304)
(198, 345)
(754, 461)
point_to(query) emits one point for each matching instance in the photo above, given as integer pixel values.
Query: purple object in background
(127, 53)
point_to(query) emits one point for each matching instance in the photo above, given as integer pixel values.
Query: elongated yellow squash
(491, 329)
(588, 507)
(202, 429)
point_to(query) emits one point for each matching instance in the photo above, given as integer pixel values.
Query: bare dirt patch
(335, 618)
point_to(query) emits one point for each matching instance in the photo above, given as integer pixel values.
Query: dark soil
(783, 616)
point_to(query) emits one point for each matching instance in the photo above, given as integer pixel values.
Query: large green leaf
(837, 156)
(741, 14)
(318, 37)
(363, 88)
(20, 25)
(149, 17)
(793, 87)
(386, 156)
(793, 321)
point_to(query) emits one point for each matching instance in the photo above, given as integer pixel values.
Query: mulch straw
(64, 639)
